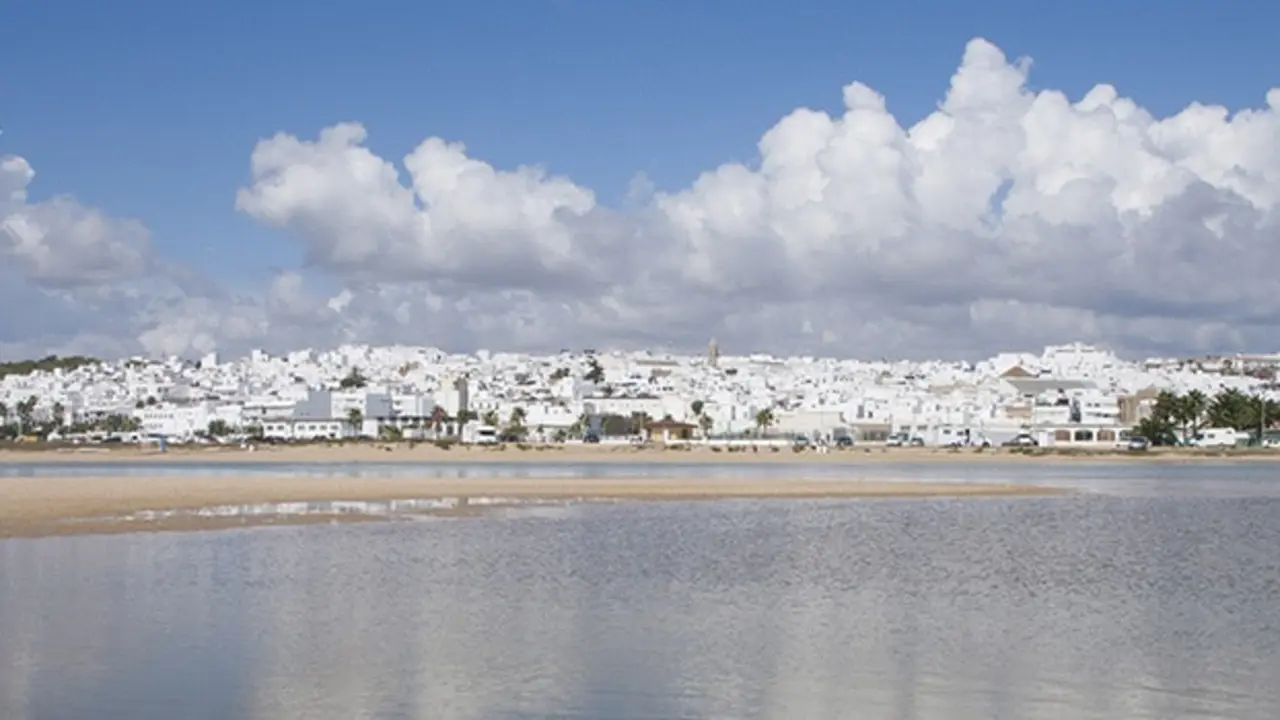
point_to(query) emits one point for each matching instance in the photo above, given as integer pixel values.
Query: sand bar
(34, 506)
(430, 453)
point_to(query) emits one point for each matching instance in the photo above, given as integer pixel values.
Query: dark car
(1023, 440)
(1138, 443)
(591, 438)
(844, 441)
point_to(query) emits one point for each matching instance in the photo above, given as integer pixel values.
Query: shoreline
(44, 506)
(376, 452)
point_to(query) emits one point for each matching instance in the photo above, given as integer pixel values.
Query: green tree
(705, 422)
(353, 380)
(490, 418)
(117, 423)
(1233, 409)
(27, 411)
(355, 421)
(699, 409)
(4, 415)
(59, 414)
(218, 428)
(764, 420)
(1156, 429)
(1190, 413)
(515, 423)
(595, 373)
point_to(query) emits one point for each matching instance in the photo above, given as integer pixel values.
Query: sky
(915, 179)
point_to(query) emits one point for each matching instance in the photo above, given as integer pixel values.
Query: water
(1135, 600)
(1161, 479)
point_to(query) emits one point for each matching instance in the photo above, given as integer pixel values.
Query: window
(1084, 436)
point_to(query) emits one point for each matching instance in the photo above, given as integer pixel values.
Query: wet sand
(430, 453)
(39, 506)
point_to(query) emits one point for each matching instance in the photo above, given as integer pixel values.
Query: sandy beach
(35, 506)
(430, 453)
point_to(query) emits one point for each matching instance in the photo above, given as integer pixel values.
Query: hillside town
(1071, 395)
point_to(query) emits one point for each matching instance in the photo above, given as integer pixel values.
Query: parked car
(591, 438)
(844, 441)
(1138, 443)
(1023, 440)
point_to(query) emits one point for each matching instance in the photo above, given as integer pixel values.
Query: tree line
(48, 363)
(21, 419)
(1177, 417)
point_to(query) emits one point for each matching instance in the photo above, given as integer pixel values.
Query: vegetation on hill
(353, 381)
(47, 364)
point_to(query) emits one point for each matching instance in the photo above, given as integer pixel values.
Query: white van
(1216, 437)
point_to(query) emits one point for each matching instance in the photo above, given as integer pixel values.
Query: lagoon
(1150, 595)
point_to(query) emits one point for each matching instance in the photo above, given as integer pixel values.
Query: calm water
(1146, 598)
(1217, 479)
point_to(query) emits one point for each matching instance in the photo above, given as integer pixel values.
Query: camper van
(1216, 437)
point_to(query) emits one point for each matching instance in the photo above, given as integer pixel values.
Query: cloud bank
(1007, 218)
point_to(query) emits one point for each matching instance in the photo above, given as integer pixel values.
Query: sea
(1152, 592)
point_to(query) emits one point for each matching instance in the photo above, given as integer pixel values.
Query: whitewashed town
(1071, 395)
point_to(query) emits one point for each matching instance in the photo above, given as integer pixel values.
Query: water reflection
(1075, 607)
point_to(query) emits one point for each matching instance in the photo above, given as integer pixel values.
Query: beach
(427, 452)
(34, 506)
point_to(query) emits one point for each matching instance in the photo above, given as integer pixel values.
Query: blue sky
(150, 108)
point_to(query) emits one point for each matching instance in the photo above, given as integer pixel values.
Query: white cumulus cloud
(1007, 217)
(1004, 216)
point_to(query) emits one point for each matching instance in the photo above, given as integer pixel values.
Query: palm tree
(764, 420)
(515, 423)
(490, 418)
(1190, 411)
(438, 418)
(1166, 403)
(1233, 409)
(26, 411)
(355, 419)
(699, 409)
